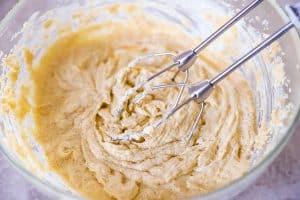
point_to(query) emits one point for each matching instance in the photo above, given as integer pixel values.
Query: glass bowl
(192, 16)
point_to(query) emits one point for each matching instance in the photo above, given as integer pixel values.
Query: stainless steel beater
(199, 92)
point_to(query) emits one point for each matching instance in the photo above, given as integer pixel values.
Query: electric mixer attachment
(198, 92)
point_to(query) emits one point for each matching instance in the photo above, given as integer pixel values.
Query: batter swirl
(77, 86)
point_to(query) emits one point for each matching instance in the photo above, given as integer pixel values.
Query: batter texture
(80, 81)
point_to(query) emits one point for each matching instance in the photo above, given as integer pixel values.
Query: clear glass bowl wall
(180, 12)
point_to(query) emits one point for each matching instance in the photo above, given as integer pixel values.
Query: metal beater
(199, 92)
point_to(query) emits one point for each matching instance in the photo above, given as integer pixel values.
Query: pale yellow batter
(79, 82)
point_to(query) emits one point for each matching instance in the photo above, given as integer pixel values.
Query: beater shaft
(186, 59)
(201, 91)
(226, 26)
(252, 53)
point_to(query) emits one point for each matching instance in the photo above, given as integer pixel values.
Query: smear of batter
(79, 82)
